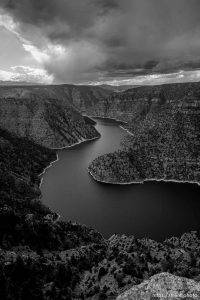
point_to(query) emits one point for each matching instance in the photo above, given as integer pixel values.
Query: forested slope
(165, 141)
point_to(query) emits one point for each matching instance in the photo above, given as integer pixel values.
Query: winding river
(154, 209)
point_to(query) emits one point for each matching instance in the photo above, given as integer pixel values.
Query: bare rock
(163, 286)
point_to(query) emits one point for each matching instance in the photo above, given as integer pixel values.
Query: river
(154, 209)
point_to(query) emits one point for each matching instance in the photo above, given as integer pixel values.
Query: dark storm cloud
(75, 14)
(113, 36)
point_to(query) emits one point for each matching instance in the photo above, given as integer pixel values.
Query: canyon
(66, 259)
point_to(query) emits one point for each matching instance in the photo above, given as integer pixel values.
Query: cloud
(77, 63)
(154, 79)
(26, 74)
(91, 40)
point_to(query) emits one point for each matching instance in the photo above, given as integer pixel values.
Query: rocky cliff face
(85, 97)
(134, 104)
(47, 115)
(163, 286)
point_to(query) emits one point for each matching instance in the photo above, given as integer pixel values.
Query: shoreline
(63, 148)
(54, 161)
(114, 119)
(143, 181)
(109, 118)
(78, 143)
(103, 181)
(129, 132)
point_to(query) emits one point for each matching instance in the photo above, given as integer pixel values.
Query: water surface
(154, 209)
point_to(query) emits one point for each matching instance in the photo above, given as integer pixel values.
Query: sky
(115, 42)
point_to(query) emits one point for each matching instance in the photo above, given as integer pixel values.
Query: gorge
(62, 258)
(133, 210)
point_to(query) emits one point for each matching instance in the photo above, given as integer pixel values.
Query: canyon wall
(134, 104)
(48, 115)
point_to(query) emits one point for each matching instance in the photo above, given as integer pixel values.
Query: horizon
(26, 83)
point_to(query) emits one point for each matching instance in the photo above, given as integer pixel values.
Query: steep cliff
(85, 97)
(47, 115)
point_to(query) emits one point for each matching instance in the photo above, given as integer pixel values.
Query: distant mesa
(118, 88)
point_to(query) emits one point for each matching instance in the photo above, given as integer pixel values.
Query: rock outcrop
(163, 286)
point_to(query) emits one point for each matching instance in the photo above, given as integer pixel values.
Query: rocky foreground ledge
(163, 286)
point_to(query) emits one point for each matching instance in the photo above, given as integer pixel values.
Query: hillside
(48, 115)
(32, 239)
(164, 145)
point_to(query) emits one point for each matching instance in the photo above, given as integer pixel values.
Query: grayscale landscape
(99, 150)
